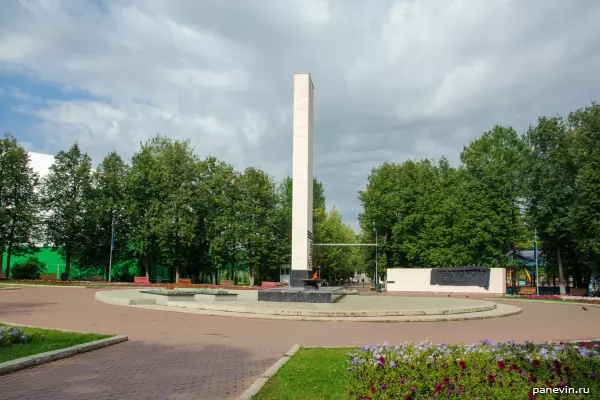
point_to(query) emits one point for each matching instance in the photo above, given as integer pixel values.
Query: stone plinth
(325, 294)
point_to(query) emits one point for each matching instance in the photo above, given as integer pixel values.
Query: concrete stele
(302, 194)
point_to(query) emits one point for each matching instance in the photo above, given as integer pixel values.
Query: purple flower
(592, 375)
(392, 363)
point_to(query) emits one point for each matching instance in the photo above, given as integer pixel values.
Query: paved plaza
(173, 355)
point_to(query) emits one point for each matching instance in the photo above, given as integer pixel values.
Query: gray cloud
(394, 79)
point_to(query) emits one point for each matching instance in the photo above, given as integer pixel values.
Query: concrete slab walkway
(187, 356)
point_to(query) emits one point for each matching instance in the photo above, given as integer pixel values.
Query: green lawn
(52, 340)
(309, 374)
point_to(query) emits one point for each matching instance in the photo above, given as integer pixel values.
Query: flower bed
(10, 335)
(58, 282)
(556, 297)
(17, 342)
(479, 371)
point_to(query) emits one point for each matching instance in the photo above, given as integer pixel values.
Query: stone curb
(545, 301)
(105, 297)
(43, 358)
(34, 285)
(382, 320)
(260, 382)
(44, 327)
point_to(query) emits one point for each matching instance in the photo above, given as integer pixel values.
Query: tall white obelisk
(302, 175)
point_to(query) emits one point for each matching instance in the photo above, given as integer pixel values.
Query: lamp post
(376, 256)
(112, 246)
(535, 254)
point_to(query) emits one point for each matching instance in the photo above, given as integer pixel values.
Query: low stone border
(43, 358)
(20, 285)
(260, 382)
(572, 303)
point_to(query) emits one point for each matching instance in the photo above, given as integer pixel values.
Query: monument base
(297, 275)
(325, 294)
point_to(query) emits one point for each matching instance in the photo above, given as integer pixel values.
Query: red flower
(514, 367)
(532, 379)
(439, 387)
(532, 396)
(446, 380)
(382, 359)
(373, 389)
(462, 364)
(535, 363)
(408, 397)
(501, 364)
(548, 383)
(491, 378)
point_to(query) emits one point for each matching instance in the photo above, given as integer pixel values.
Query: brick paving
(186, 356)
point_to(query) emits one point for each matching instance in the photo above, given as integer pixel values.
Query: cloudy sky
(393, 79)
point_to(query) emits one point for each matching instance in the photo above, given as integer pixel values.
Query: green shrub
(479, 371)
(30, 269)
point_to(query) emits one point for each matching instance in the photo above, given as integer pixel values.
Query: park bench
(578, 291)
(269, 284)
(226, 282)
(527, 290)
(48, 277)
(2, 277)
(97, 278)
(140, 279)
(184, 281)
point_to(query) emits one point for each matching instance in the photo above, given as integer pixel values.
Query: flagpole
(112, 245)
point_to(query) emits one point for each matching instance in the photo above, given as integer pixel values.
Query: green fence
(55, 264)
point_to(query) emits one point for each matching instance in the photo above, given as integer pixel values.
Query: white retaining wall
(417, 280)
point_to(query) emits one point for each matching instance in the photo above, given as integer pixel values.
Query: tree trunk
(587, 279)
(107, 271)
(388, 253)
(2, 262)
(232, 266)
(146, 271)
(11, 238)
(68, 265)
(561, 274)
(177, 274)
(8, 255)
(251, 275)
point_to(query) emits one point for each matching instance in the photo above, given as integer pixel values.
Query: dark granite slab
(297, 274)
(296, 295)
